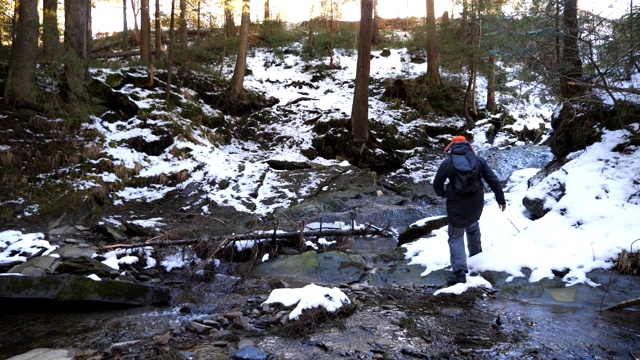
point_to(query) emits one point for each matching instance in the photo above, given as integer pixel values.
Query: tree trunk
(267, 10)
(50, 33)
(172, 36)
(310, 36)
(182, 27)
(469, 102)
(491, 84)
(433, 65)
(360, 108)
(20, 86)
(632, 59)
(229, 22)
(89, 27)
(14, 21)
(136, 29)
(75, 48)
(158, 35)
(375, 36)
(331, 20)
(145, 32)
(125, 28)
(237, 80)
(571, 65)
(199, 21)
(558, 32)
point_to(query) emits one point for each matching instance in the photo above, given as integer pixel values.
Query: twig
(295, 101)
(624, 304)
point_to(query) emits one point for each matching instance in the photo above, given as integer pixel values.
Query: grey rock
(122, 346)
(45, 354)
(63, 230)
(245, 342)
(64, 288)
(421, 228)
(199, 328)
(251, 353)
(74, 251)
(37, 266)
(233, 314)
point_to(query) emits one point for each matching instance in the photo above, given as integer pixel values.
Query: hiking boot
(458, 277)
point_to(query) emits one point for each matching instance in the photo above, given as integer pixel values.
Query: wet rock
(75, 251)
(46, 354)
(287, 165)
(250, 353)
(245, 342)
(120, 347)
(505, 161)
(421, 228)
(199, 328)
(69, 290)
(233, 315)
(539, 206)
(241, 322)
(330, 267)
(113, 231)
(37, 266)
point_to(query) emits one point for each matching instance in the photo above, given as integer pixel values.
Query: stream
(399, 319)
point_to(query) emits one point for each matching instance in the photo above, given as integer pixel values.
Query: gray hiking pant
(456, 245)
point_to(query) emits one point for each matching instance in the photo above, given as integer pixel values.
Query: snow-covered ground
(585, 229)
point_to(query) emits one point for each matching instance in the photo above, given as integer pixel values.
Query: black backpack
(465, 173)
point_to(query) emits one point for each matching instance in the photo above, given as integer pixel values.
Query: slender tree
(267, 10)
(237, 80)
(75, 48)
(158, 34)
(571, 64)
(182, 27)
(50, 34)
(89, 28)
(360, 108)
(145, 32)
(229, 22)
(199, 21)
(492, 107)
(433, 65)
(125, 28)
(375, 37)
(469, 102)
(20, 87)
(136, 10)
(172, 36)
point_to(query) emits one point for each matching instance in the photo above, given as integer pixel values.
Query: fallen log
(118, 54)
(261, 235)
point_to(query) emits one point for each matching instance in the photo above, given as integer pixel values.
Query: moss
(76, 288)
(352, 263)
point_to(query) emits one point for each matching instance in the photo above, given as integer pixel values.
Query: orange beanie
(455, 139)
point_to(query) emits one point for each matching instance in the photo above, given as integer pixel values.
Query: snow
(309, 297)
(584, 230)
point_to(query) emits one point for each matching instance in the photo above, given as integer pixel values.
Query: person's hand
(502, 206)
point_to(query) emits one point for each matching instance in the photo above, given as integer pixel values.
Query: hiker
(465, 201)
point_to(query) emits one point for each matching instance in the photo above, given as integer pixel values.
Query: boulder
(421, 228)
(33, 291)
(331, 267)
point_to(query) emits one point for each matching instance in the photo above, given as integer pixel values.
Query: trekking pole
(514, 225)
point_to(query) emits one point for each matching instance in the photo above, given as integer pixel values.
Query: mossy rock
(81, 289)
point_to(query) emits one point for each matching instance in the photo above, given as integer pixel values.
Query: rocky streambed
(217, 310)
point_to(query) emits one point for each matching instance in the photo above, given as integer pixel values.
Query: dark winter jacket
(463, 210)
